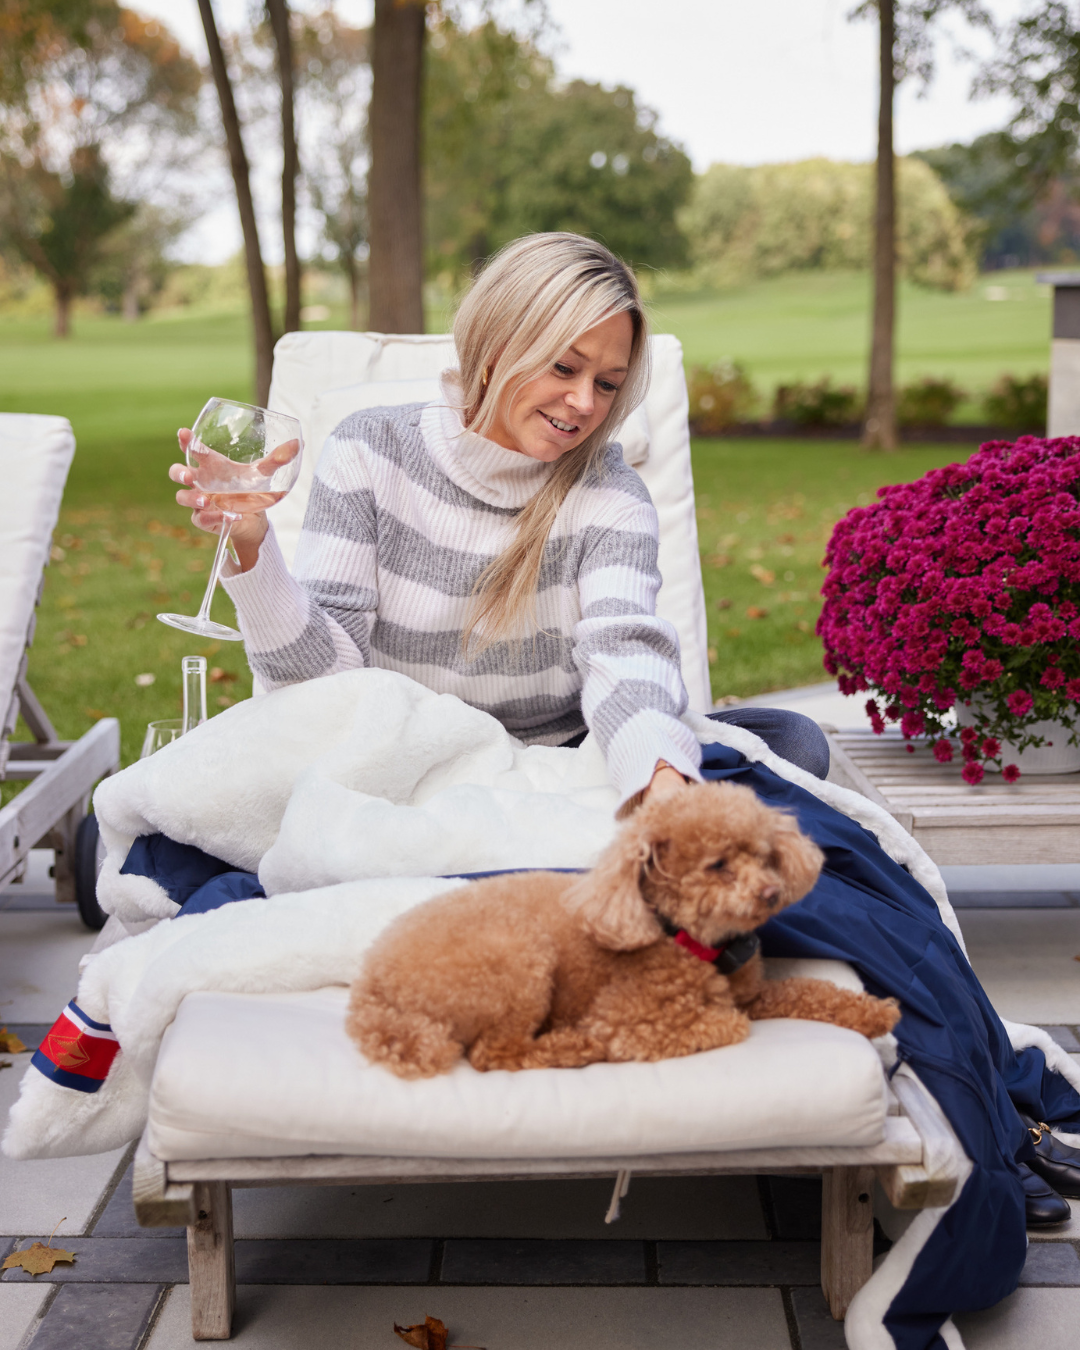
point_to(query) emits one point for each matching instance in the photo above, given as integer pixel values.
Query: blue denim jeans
(788, 734)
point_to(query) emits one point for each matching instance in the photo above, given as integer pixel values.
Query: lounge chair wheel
(87, 838)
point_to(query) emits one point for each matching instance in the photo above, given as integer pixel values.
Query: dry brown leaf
(762, 574)
(38, 1259)
(723, 603)
(756, 612)
(430, 1334)
(5, 1063)
(10, 1043)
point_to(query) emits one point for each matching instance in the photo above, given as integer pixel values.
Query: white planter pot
(1060, 757)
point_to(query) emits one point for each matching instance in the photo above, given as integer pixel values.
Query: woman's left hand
(666, 781)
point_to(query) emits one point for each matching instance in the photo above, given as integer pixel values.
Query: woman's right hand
(248, 530)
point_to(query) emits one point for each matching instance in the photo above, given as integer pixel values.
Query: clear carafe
(194, 670)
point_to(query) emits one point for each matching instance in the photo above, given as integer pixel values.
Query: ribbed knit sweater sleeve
(633, 693)
(318, 621)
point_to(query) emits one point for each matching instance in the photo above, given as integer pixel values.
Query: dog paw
(882, 1016)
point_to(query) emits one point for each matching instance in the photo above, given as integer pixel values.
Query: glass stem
(219, 559)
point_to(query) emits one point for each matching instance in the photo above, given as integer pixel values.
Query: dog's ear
(799, 859)
(608, 899)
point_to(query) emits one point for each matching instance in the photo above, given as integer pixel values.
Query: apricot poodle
(542, 970)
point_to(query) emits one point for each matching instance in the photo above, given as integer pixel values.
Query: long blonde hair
(531, 301)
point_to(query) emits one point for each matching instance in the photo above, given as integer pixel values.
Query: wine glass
(245, 459)
(160, 734)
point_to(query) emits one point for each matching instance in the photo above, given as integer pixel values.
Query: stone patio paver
(20, 1305)
(98, 1317)
(1030, 1319)
(275, 1318)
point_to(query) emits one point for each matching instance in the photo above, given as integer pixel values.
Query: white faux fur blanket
(351, 796)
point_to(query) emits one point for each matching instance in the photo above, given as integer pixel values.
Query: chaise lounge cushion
(272, 1075)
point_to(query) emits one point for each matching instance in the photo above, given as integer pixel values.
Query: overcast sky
(731, 80)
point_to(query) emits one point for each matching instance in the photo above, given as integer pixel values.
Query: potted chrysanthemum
(963, 590)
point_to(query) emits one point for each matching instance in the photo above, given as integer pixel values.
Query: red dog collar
(729, 958)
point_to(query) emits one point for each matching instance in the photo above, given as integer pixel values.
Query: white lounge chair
(35, 454)
(796, 1097)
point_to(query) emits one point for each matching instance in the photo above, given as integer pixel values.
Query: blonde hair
(531, 301)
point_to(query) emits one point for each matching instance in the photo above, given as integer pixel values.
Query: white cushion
(319, 374)
(35, 454)
(270, 1075)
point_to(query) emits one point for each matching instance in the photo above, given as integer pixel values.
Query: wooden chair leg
(847, 1235)
(211, 1269)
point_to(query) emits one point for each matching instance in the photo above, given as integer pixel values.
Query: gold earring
(484, 376)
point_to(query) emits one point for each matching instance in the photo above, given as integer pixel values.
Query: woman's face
(556, 411)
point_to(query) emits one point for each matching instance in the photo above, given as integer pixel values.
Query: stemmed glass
(245, 459)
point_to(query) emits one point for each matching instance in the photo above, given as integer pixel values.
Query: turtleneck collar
(500, 477)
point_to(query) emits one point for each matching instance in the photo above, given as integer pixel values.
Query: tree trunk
(879, 432)
(353, 273)
(238, 163)
(278, 11)
(396, 265)
(62, 324)
(129, 304)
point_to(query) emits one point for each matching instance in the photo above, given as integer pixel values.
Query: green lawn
(124, 550)
(810, 324)
(765, 512)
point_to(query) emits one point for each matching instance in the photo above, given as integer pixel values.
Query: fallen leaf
(37, 1259)
(95, 714)
(713, 655)
(734, 632)
(10, 1043)
(756, 612)
(219, 676)
(430, 1334)
(718, 560)
(140, 620)
(5, 1063)
(725, 603)
(224, 701)
(762, 574)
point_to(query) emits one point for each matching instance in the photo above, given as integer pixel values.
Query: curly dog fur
(542, 970)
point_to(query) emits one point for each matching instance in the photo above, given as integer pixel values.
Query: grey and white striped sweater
(406, 510)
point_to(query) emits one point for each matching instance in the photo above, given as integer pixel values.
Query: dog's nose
(770, 895)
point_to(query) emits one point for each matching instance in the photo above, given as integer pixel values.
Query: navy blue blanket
(866, 910)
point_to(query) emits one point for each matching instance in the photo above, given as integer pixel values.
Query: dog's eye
(718, 866)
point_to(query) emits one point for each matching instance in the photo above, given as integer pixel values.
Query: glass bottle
(194, 670)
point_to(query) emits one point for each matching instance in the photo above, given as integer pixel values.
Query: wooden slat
(1035, 820)
(159, 1204)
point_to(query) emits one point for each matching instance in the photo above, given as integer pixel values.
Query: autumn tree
(334, 82)
(509, 149)
(1039, 66)
(905, 47)
(117, 83)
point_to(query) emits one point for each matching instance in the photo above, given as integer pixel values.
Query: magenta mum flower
(943, 751)
(1010, 773)
(973, 773)
(950, 586)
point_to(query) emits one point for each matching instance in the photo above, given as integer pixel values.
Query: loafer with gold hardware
(1055, 1162)
(1042, 1204)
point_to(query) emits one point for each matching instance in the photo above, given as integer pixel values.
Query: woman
(493, 544)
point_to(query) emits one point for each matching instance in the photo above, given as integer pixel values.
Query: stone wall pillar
(1063, 413)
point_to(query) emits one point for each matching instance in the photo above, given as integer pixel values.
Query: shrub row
(723, 396)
